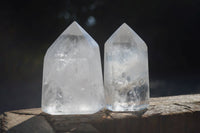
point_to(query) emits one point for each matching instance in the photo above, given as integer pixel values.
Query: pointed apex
(125, 35)
(125, 28)
(74, 29)
(74, 23)
(124, 25)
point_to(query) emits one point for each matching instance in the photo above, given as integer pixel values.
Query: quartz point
(72, 74)
(126, 78)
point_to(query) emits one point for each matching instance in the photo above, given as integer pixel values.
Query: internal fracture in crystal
(126, 78)
(72, 75)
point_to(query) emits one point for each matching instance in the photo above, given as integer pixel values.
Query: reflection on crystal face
(126, 78)
(72, 75)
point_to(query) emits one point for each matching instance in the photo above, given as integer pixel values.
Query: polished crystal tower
(126, 78)
(72, 75)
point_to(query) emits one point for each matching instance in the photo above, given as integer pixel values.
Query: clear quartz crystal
(126, 77)
(72, 75)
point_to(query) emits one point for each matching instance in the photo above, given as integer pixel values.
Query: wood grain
(175, 114)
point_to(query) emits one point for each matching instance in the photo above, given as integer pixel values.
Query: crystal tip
(74, 23)
(125, 26)
(74, 29)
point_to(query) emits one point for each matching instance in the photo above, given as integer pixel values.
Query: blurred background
(28, 27)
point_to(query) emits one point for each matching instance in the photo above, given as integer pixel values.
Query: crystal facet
(126, 79)
(72, 75)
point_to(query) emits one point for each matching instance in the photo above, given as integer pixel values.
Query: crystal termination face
(126, 79)
(72, 75)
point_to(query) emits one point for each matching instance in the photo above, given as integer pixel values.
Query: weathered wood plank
(24, 123)
(164, 115)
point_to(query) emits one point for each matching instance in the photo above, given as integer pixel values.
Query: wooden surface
(176, 114)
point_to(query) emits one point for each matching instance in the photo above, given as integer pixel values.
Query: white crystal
(126, 79)
(72, 75)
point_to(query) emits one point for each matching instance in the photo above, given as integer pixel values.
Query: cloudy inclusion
(126, 77)
(72, 75)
